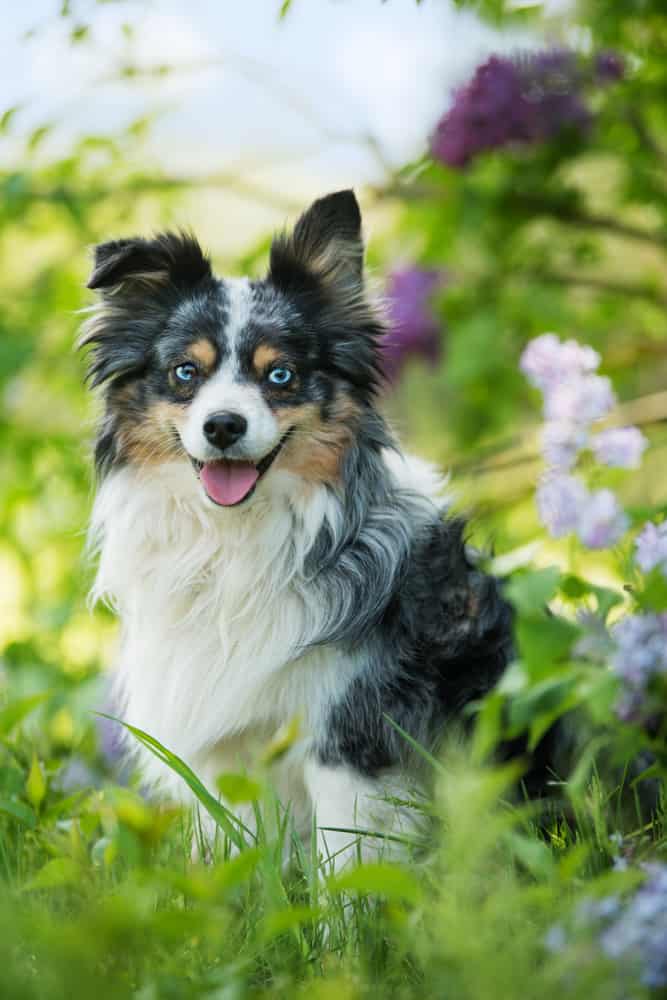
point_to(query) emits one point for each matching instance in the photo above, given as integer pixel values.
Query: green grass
(99, 897)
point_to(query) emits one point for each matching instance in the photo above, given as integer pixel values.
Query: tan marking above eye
(204, 353)
(264, 357)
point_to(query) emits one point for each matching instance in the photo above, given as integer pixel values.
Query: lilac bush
(640, 658)
(525, 99)
(413, 326)
(631, 931)
(575, 397)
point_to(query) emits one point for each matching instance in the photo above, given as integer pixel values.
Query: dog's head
(236, 376)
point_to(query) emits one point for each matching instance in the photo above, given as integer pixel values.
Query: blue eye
(280, 376)
(186, 372)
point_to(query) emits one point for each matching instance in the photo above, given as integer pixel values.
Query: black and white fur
(338, 592)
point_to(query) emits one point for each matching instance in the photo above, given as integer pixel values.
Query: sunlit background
(511, 161)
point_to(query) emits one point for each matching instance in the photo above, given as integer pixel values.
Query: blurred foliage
(97, 895)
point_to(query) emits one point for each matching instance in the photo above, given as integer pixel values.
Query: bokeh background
(123, 117)
(511, 162)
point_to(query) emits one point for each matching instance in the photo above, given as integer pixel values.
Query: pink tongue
(228, 482)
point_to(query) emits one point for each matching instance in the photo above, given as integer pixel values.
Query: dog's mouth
(229, 482)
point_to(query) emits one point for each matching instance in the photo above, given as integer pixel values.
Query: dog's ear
(169, 258)
(326, 245)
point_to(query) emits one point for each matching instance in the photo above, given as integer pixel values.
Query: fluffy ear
(325, 245)
(169, 258)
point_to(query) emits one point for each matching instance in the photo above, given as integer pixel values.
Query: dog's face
(237, 377)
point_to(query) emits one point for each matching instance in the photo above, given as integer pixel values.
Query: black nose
(223, 429)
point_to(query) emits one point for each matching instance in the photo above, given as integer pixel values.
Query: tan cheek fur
(315, 450)
(151, 439)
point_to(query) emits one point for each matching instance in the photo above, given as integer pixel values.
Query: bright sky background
(287, 104)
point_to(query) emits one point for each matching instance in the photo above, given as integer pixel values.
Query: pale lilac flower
(601, 520)
(547, 361)
(640, 932)
(559, 501)
(561, 444)
(640, 656)
(580, 399)
(621, 447)
(631, 931)
(651, 547)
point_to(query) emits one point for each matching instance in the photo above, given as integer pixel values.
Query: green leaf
(17, 710)
(488, 725)
(533, 854)
(237, 788)
(286, 736)
(79, 33)
(20, 811)
(222, 816)
(575, 588)
(6, 118)
(286, 920)
(544, 641)
(531, 592)
(37, 137)
(384, 879)
(653, 596)
(549, 698)
(35, 785)
(55, 873)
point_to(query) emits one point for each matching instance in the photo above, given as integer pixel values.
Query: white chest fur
(214, 613)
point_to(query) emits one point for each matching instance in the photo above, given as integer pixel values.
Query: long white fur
(214, 620)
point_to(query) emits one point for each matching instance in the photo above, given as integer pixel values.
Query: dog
(271, 552)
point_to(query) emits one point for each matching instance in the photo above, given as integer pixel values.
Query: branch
(645, 137)
(623, 288)
(646, 411)
(608, 224)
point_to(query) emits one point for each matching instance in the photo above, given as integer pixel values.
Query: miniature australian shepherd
(270, 551)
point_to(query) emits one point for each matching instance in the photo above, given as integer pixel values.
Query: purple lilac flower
(559, 502)
(601, 520)
(413, 327)
(651, 547)
(621, 447)
(639, 658)
(522, 100)
(547, 361)
(609, 66)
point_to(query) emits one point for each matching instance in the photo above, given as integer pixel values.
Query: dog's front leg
(355, 816)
